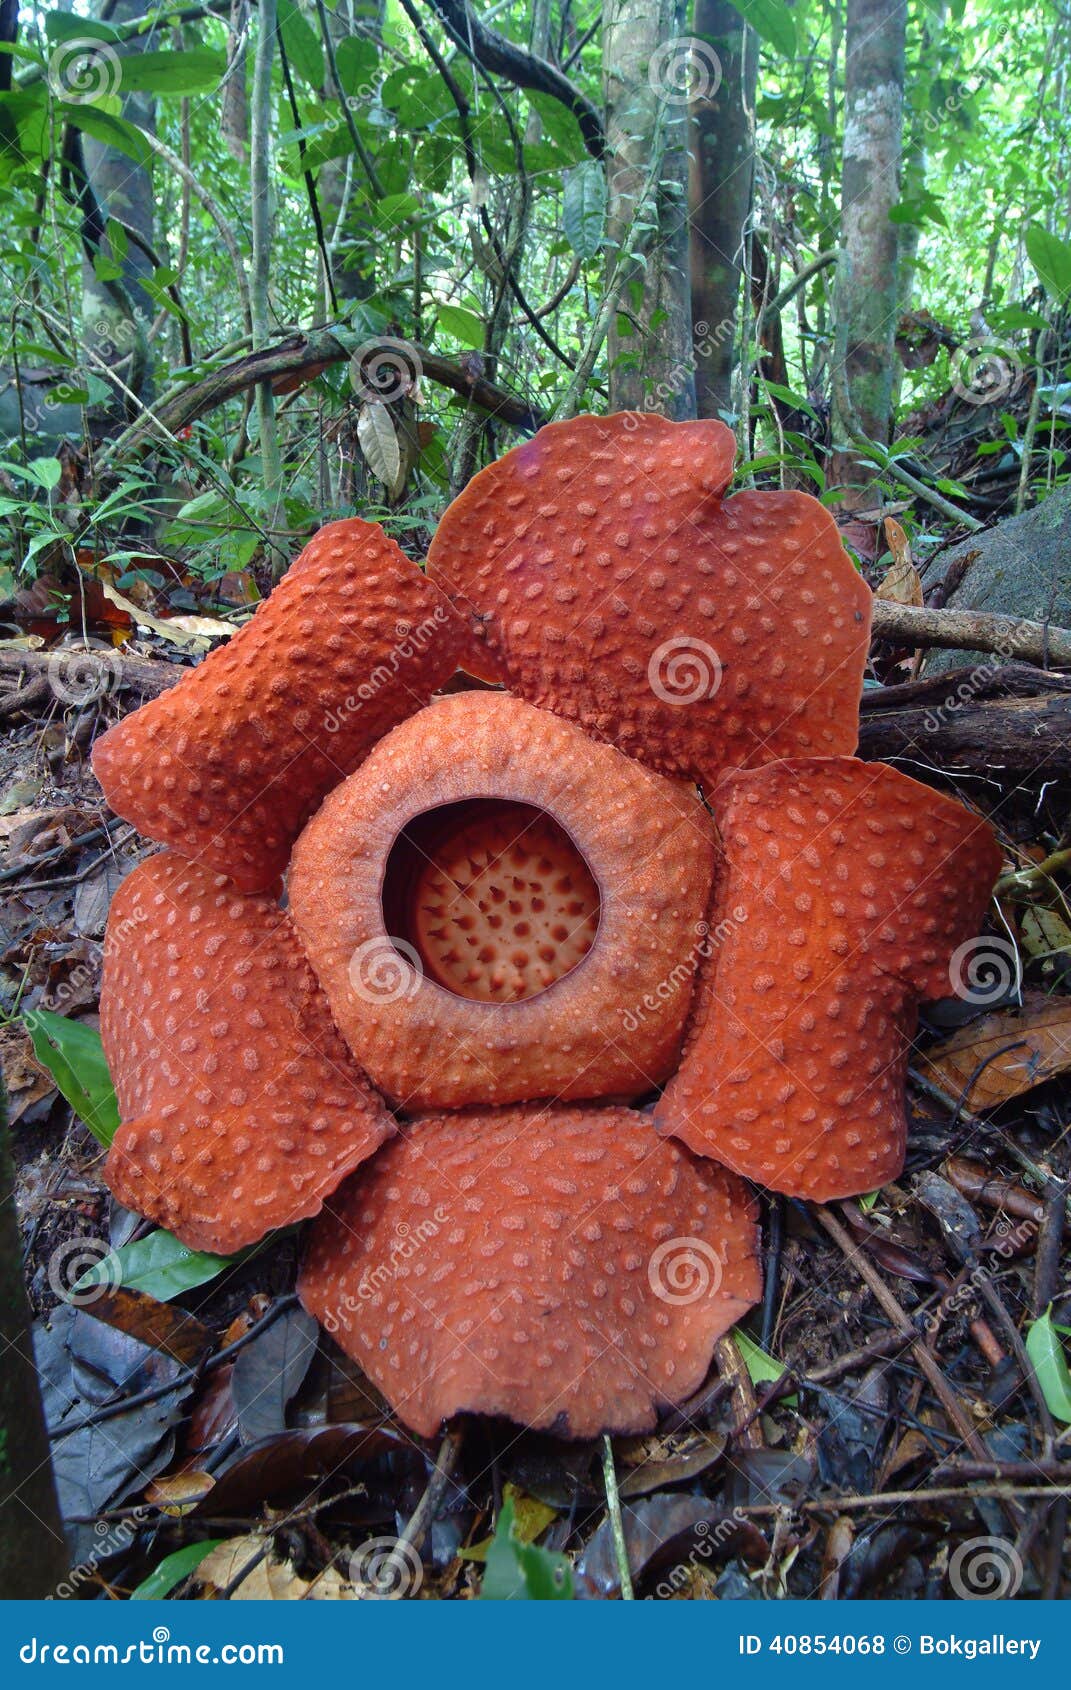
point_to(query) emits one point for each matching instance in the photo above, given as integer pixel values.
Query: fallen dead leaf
(270, 1580)
(901, 583)
(1004, 1054)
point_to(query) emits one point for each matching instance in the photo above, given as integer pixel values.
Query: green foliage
(158, 1266)
(772, 20)
(584, 207)
(1051, 258)
(1049, 1361)
(172, 1570)
(522, 1572)
(74, 1056)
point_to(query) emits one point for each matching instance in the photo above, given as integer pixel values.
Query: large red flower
(559, 1000)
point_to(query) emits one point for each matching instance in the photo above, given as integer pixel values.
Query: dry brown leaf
(270, 1580)
(902, 583)
(191, 632)
(1019, 1047)
(176, 1494)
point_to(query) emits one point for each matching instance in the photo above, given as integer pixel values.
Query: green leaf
(464, 325)
(104, 126)
(1051, 258)
(559, 126)
(1049, 1362)
(521, 1572)
(192, 72)
(303, 46)
(172, 1570)
(772, 20)
(584, 207)
(74, 1056)
(158, 1266)
(763, 1368)
(68, 26)
(357, 60)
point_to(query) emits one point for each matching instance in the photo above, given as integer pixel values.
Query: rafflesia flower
(535, 1009)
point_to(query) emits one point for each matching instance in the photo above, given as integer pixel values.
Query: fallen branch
(972, 630)
(300, 358)
(117, 674)
(1018, 734)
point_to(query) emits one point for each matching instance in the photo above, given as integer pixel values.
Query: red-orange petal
(241, 1107)
(561, 1268)
(848, 888)
(611, 1027)
(228, 766)
(611, 582)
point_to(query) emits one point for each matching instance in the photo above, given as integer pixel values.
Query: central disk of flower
(493, 896)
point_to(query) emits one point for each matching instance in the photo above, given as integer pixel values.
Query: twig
(424, 1516)
(951, 1404)
(617, 1524)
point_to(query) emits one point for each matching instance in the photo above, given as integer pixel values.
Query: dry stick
(617, 1524)
(972, 630)
(972, 1123)
(731, 1366)
(898, 1498)
(949, 1401)
(428, 1507)
(175, 163)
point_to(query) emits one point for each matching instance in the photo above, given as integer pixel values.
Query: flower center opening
(493, 896)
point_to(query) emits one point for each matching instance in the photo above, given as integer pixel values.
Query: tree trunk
(116, 320)
(645, 72)
(867, 292)
(722, 172)
(33, 1555)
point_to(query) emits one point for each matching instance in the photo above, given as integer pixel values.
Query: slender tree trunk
(722, 173)
(650, 340)
(916, 157)
(260, 184)
(116, 320)
(867, 291)
(33, 1555)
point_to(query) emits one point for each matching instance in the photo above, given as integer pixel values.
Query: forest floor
(878, 1430)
